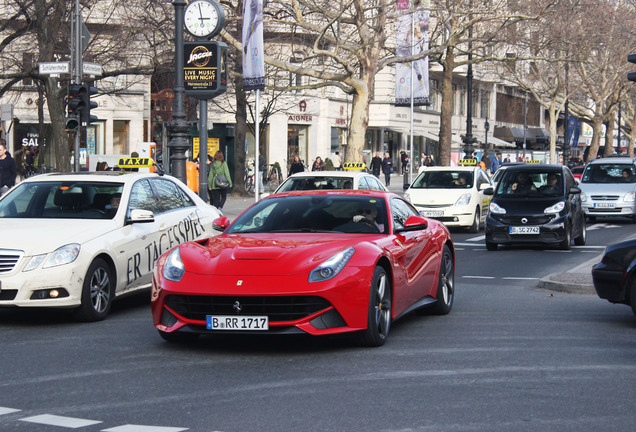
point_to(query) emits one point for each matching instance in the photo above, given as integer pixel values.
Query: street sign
(93, 69)
(85, 35)
(54, 68)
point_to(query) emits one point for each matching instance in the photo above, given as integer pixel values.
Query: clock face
(202, 18)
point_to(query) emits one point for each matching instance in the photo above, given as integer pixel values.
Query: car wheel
(178, 337)
(491, 246)
(582, 237)
(445, 284)
(379, 314)
(474, 228)
(97, 292)
(566, 243)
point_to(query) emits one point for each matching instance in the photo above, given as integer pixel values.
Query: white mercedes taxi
(452, 195)
(81, 240)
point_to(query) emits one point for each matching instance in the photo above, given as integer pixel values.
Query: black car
(614, 275)
(535, 204)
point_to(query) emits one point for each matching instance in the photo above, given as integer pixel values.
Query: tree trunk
(597, 124)
(609, 138)
(446, 117)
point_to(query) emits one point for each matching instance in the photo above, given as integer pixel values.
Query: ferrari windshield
(314, 213)
(444, 180)
(62, 199)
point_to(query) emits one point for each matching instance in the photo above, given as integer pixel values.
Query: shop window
(121, 134)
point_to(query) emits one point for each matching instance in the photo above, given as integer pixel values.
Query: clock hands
(202, 18)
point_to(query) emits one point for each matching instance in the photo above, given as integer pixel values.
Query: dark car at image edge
(615, 276)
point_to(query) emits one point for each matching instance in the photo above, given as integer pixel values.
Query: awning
(495, 141)
(511, 134)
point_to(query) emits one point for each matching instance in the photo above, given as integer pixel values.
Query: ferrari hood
(265, 255)
(37, 236)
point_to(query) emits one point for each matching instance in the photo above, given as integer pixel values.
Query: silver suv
(608, 187)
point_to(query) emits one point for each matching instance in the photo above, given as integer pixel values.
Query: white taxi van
(452, 195)
(81, 240)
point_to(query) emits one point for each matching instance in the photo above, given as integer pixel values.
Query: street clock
(204, 18)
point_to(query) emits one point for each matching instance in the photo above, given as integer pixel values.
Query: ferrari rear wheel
(379, 315)
(445, 284)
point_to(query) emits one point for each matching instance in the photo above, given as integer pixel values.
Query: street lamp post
(178, 127)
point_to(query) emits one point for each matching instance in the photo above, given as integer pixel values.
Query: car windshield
(62, 199)
(444, 180)
(314, 213)
(316, 183)
(609, 173)
(530, 183)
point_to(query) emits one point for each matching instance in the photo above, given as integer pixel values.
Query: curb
(575, 281)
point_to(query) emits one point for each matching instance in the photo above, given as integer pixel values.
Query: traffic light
(85, 95)
(74, 107)
(632, 59)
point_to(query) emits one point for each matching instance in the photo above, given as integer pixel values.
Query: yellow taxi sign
(533, 162)
(135, 163)
(464, 162)
(353, 165)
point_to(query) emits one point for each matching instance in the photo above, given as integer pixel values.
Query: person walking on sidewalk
(219, 180)
(387, 166)
(8, 169)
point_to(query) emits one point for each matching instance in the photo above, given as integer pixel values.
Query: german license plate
(233, 322)
(524, 230)
(432, 213)
(605, 205)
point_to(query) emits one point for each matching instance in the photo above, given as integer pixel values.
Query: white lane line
(142, 428)
(478, 277)
(5, 410)
(520, 278)
(478, 238)
(54, 420)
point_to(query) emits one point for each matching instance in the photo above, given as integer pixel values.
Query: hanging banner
(574, 128)
(253, 54)
(412, 39)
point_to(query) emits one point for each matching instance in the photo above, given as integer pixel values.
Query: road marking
(54, 420)
(141, 428)
(478, 277)
(601, 225)
(520, 278)
(478, 238)
(5, 410)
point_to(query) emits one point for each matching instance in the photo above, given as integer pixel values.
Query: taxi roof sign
(533, 162)
(354, 165)
(470, 161)
(135, 162)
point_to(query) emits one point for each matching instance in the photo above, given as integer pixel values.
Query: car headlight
(407, 196)
(332, 266)
(555, 208)
(494, 208)
(173, 269)
(583, 197)
(463, 200)
(63, 255)
(34, 262)
(629, 197)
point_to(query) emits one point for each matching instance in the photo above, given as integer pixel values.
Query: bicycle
(274, 177)
(248, 179)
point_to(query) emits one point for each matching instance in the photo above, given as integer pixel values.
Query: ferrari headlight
(555, 208)
(463, 200)
(63, 255)
(331, 267)
(34, 262)
(494, 208)
(173, 269)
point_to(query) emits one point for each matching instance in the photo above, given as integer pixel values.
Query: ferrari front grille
(277, 308)
(9, 259)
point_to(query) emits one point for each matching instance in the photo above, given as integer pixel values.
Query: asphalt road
(509, 357)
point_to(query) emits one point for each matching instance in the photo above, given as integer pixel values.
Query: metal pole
(468, 138)
(409, 177)
(619, 128)
(256, 144)
(525, 126)
(178, 126)
(566, 119)
(203, 149)
(77, 78)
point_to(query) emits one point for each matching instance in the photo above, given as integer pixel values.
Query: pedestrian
(296, 166)
(376, 164)
(337, 162)
(496, 163)
(318, 165)
(404, 159)
(8, 168)
(387, 167)
(507, 159)
(423, 159)
(219, 180)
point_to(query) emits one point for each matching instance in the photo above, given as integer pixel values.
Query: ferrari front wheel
(379, 314)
